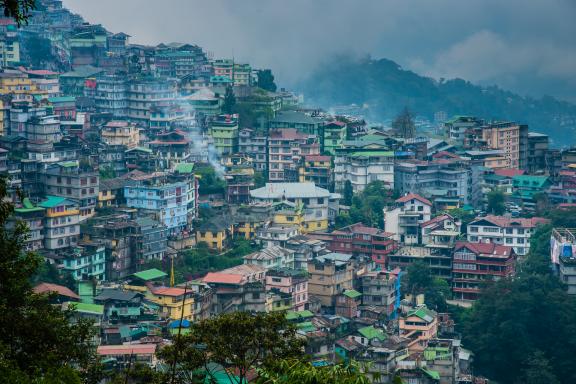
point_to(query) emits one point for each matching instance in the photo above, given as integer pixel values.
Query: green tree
(229, 106)
(419, 280)
(496, 202)
(259, 179)
(38, 343)
(19, 10)
(294, 371)
(266, 80)
(348, 193)
(404, 124)
(107, 173)
(240, 341)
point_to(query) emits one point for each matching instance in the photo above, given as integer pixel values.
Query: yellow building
(216, 233)
(18, 84)
(247, 230)
(4, 117)
(9, 47)
(172, 302)
(120, 133)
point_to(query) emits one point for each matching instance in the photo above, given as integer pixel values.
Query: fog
(528, 46)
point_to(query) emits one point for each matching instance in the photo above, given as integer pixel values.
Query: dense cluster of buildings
(104, 141)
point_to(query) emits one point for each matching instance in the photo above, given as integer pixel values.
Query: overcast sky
(528, 46)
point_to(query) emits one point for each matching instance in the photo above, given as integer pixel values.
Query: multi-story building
(44, 129)
(170, 148)
(72, 181)
(33, 216)
(224, 131)
(9, 44)
(21, 114)
(223, 67)
(439, 180)
(360, 241)
(171, 203)
(537, 150)
(286, 149)
(363, 167)
(216, 233)
(72, 83)
(18, 84)
(525, 187)
(438, 259)
(239, 180)
(329, 276)
(313, 200)
(290, 281)
(151, 240)
(510, 137)
(174, 303)
(381, 289)
(254, 145)
(422, 324)
(61, 223)
(302, 122)
(317, 169)
(111, 94)
(455, 128)
(144, 93)
(272, 257)
(404, 219)
(120, 133)
(502, 230)
(242, 75)
(85, 261)
(477, 263)
(334, 136)
(563, 257)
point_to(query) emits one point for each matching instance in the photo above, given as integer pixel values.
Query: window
(508, 240)
(473, 229)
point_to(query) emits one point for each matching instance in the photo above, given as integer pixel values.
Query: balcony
(63, 213)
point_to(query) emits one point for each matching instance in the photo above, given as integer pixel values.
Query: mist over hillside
(383, 88)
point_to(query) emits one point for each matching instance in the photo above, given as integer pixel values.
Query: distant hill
(385, 88)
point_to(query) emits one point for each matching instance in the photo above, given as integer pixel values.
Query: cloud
(526, 45)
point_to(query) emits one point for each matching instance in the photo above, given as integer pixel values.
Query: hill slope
(386, 88)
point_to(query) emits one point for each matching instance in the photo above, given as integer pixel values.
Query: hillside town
(162, 186)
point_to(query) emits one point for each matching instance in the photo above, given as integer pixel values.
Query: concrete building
(381, 289)
(61, 223)
(224, 132)
(255, 145)
(510, 137)
(33, 216)
(476, 263)
(538, 145)
(455, 128)
(330, 275)
(120, 133)
(144, 93)
(317, 169)
(68, 179)
(334, 136)
(290, 281)
(85, 261)
(404, 219)
(363, 167)
(563, 256)
(502, 230)
(313, 200)
(286, 149)
(272, 257)
(302, 122)
(111, 94)
(45, 129)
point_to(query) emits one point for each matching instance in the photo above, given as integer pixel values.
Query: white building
(272, 258)
(405, 218)
(512, 232)
(361, 168)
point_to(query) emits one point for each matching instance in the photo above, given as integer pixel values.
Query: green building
(224, 132)
(334, 136)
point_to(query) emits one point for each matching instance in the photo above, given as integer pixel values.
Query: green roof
(95, 309)
(54, 201)
(372, 153)
(27, 206)
(62, 99)
(433, 374)
(372, 333)
(352, 293)
(529, 181)
(150, 274)
(423, 313)
(184, 167)
(68, 164)
(293, 315)
(306, 326)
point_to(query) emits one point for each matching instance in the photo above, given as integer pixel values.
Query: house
(370, 336)
(287, 149)
(120, 133)
(419, 324)
(120, 305)
(363, 167)
(314, 200)
(317, 169)
(477, 263)
(224, 132)
(381, 290)
(347, 303)
(124, 355)
(441, 230)
(289, 281)
(405, 218)
(334, 136)
(503, 230)
(33, 216)
(271, 257)
(61, 223)
(85, 261)
(60, 292)
(330, 275)
(174, 303)
(525, 187)
(216, 233)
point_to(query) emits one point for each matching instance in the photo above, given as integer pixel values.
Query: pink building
(289, 281)
(287, 148)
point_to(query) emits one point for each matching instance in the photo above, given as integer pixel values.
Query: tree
(419, 280)
(404, 124)
(266, 80)
(107, 173)
(293, 371)
(348, 193)
(543, 204)
(237, 341)
(367, 207)
(259, 179)
(38, 343)
(19, 10)
(496, 199)
(229, 106)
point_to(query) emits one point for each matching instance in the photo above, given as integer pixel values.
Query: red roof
(222, 278)
(410, 196)
(287, 133)
(486, 249)
(508, 172)
(317, 158)
(337, 123)
(7, 21)
(441, 154)
(128, 349)
(166, 291)
(437, 219)
(59, 289)
(503, 221)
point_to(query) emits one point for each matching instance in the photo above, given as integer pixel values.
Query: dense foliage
(386, 89)
(496, 202)
(523, 330)
(419, 280)
(19, 10)
(38, 343)
(367, 206)
(266, 80)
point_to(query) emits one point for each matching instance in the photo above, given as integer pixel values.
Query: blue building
(85, 261)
